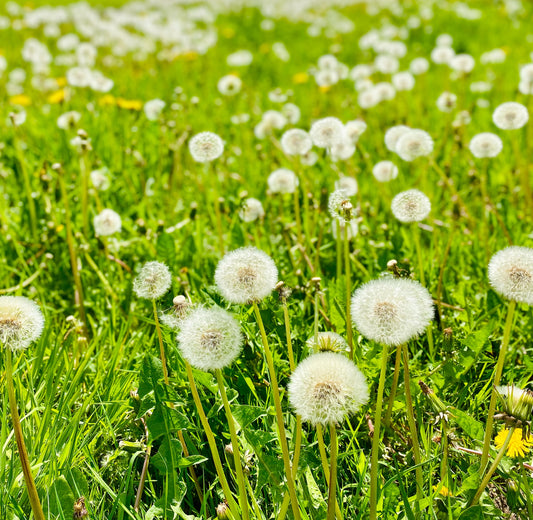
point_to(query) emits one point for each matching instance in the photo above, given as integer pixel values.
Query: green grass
(81, 422)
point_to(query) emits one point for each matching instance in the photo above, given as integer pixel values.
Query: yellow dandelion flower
(21, 99)
(443, 491)
(57, 97)
(61, 82)
(518, 447)
(107, 100)
(129, 104)
(300, 77)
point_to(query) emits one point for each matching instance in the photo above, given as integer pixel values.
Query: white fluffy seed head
(282, 180)
(251, 210)
(411, 206)
(413, 144)
(210, 339)
(153, 108)
(229, 85)
(485, 144)
(296, 142)
(339, 206)
(206, 147)
(348, 185)
(153, 281)
(393, 134)
(463, 63)
(326, 132)
(21, 322)
(392, 311)
(325, 387)
(107, 222)
(442, 55)
(327, 342)
(510, 116)
(385, 171)
(246, 275)
(354, 129)
(511, 273)
(446, 102)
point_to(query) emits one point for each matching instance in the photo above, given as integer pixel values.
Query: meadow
(266, 259)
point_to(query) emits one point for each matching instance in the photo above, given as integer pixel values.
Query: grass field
(123, 421)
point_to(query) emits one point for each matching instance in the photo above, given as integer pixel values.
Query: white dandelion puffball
(485, 145)
(327, 342)
(68, 120)
(206, 147)
(463, 63)
(229, 85)
(419, 66)
(326, 132)
(21, 322)
(246, 275)
(403, 81)
(153, 281)
(107, 222)
(393, 134)
(442, 55)
(348, 185)
(354, 129)
(511, 273)
(339, 206)
(510, 116)
(296, 142)
(153, 108)
(411, 206)
(210, 339)
(282, 180)
(325, 387)
(385, 171)
(251, 210)
(342, 150)
(413, 144)
(392, 310)
(446, 102)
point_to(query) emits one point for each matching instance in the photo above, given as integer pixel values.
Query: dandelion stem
(493, 468)
(496, 382)
(333, 472)
(279, 414)
(212, 443)
(527, 490)
(339, 248)
(24, 459)
(84, 172)
(375, 438)
(298, 216)
(325, 465)
(243, 499)
(412, 424)
(349, 332)
(394, 386)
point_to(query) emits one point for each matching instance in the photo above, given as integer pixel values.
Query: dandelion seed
(511, 273)
(246, 275)
(210, 339)
(107, 222)
(392, 311)
(21, 322)
(411, 206)
(326, 387)
(206, 147)
(153, 281)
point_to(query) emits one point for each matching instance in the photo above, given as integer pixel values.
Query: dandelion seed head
(107, 222)
(392, 311)
(511, 273)
(206, 147)
(446, 102)
(339, 206)
(282, 180)
(153, 281)
(246, 275)
(393, 134)
(229, 85)
(385, 171)
(463, 63)
(485, 144)
(251, 210)
(326, 132)
(411, 206)
(153, 108)
(210, 339)
(510, 116)
(413, 144)
(296, 142)
(325, 387)
(354, 129)
(348, 185)
(21, 322)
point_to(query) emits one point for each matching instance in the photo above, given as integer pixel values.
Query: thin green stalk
(444, 461)
(24, 459)
(527, 490)
(212, 443)
(279, 414)
(375, 437)
(333, 472)
(339, 248)
(493, 468)
(349, 332)
(412, 424)
(496, 382)
(243, 499)
(298, 216)
(101, 276)
(394, 386)
(325, 464)
(84, 172)
(287, 321)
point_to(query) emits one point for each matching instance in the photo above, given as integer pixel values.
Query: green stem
(375, 436)
(527, 490)
(162, 355)
(243, 499)
(325, 464)
(286, 319)
(493, 468)
(412, 424)
(394, 386)
(279, 414)
(349, 332)
(333, 472)
(84, 171)
(24, 459)
(212, 443)
(496, 382)
(298, 216)
(339, 248)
